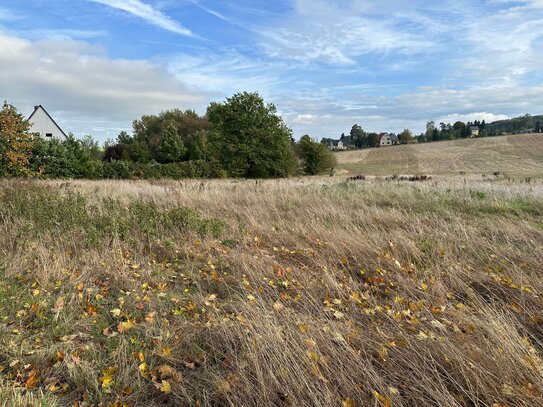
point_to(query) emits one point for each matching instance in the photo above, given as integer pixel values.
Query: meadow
(515, 155)
(301, 292)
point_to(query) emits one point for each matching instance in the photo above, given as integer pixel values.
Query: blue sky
(96, 65)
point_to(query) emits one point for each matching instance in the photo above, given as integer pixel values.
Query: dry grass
(318, 292)
(516, 156)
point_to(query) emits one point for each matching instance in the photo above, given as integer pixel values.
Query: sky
(96, 65)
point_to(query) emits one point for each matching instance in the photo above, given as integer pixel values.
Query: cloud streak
(147, 13)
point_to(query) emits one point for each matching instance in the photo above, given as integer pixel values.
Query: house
(337, 145)
(388, 140)
(43, 124)
(474, 131)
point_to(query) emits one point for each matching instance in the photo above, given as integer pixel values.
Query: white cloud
(147, 13)
(225, 72)
(471, 117)
(85, 90)
(60, 34)
(320, 30)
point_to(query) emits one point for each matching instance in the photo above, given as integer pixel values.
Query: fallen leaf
(165, 387)
(125, 326)
(106, 380)
(384, 401)
(32, 380)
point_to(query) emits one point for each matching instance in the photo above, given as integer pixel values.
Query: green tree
(358, 136)
(406, 136)
(149, 129)
(16, 142)
(170, 148)
(249, 139)
(316, 158)
(198, 148)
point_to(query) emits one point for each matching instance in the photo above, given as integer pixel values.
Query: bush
(315, 157)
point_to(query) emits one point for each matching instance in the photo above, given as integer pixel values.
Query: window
(50, 135)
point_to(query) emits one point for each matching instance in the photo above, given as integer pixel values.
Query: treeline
(241, 137)
(517, 125)
(521, 124)
(358, 138)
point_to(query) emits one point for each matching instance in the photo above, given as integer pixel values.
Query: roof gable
(36, 108)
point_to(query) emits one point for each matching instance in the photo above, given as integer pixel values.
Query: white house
(389, 140)
(41, 122)
(474, 131)
(337, 145)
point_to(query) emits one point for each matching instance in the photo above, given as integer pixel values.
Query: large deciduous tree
(249, 139)
(16, 142)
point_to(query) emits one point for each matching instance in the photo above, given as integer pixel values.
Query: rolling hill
(516, 155)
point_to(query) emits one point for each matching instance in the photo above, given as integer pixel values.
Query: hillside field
(300, 292)
(516, 155)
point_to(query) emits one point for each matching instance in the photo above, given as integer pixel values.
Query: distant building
(388, 140)
(43, 124)
(337, 145)
(474, 131)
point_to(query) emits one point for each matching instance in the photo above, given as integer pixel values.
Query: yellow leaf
(116, 312)
(165, 387)
(348, 403)
(106, 380)
(125, 326)
(278, 306)
(384, 401)
(143, 369)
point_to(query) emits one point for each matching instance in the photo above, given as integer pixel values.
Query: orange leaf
(32, 380)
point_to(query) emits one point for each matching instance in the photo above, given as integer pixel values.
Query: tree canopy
(249, 139)
(16, 142)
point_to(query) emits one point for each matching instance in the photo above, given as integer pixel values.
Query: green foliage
(150, 131)
(70, 158)
(405, 136)
(170, 148)
(249, 139)
(315, 157)
(358, 137)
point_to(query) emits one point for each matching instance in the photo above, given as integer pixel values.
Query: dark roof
(393, 137)
(48, 115)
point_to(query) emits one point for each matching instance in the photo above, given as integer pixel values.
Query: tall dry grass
(305, 292)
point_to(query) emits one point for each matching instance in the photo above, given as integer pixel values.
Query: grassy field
(517, 155)
(302, 292)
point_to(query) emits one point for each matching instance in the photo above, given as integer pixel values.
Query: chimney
(36, 107)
